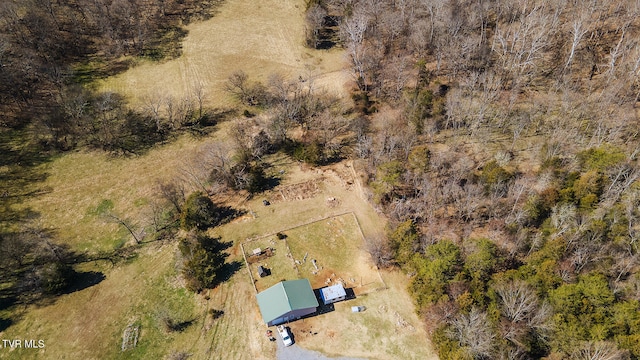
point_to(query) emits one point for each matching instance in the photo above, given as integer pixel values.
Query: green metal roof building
(287, 301)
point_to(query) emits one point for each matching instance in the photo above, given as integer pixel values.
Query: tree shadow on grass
(205, 124)
(21, 177)
(7, 300)
(179, 326)
(84, 280)
(5, 323)
(227, 214)
(228, 270)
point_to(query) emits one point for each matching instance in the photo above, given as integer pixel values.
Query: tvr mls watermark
(22, 344)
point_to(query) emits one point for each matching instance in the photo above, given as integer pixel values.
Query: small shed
(333, 294)
(262, 271)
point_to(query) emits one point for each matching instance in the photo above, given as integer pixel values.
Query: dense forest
(502, 144)
(499, 137)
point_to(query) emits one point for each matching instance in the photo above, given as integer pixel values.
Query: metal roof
(284, 297)
(333, 292)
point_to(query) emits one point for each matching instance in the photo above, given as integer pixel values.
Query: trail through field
(258, 37)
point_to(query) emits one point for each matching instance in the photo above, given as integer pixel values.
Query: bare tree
(519, 300)
(199, 94)
(380, 251)
(578, 30)
(474, 332)
(152, 105)
(564, 218)
(599, 350)
(174, 193)
(315, 20)
(238, 83)
(353, 32)
(138, 237)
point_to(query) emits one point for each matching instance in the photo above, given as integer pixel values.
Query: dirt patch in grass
(305, 190)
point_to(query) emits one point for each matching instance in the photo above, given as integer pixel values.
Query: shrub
(257, 180)
(199, 212)
(494, 175)
(388, 179)
(311, 153)
(55, 277)
(600, 158)
(202, 260)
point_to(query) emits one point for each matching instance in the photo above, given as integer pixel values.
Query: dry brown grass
(258, 37)
(81, 181)
(389, 329)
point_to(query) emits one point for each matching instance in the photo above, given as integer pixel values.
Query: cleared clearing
(389, 329)
(258, 37)
(81, 187)
(89, 323)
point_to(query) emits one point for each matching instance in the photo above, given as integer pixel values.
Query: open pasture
(258, 37)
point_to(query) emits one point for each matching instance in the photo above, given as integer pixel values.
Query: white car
(285, 335)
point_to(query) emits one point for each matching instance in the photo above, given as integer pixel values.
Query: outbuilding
(263, 271)
(287, 301)
(333, 294)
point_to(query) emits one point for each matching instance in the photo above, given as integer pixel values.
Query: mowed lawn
(337, 246)
(279, 261)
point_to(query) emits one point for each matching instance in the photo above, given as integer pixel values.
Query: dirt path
(259, 38)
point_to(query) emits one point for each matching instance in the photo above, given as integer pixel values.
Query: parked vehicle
(285, 335)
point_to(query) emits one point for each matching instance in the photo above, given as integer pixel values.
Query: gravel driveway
(295, 352)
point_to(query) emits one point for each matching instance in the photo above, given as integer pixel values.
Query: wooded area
(502, 144)
(499, 137)
(49, 49)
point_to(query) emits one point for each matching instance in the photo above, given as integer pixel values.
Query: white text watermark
(21, 344)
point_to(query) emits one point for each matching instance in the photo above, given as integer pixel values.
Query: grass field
(83, 187)
(335, 243)
(79, 190)
(258, 37)
(89, 323)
